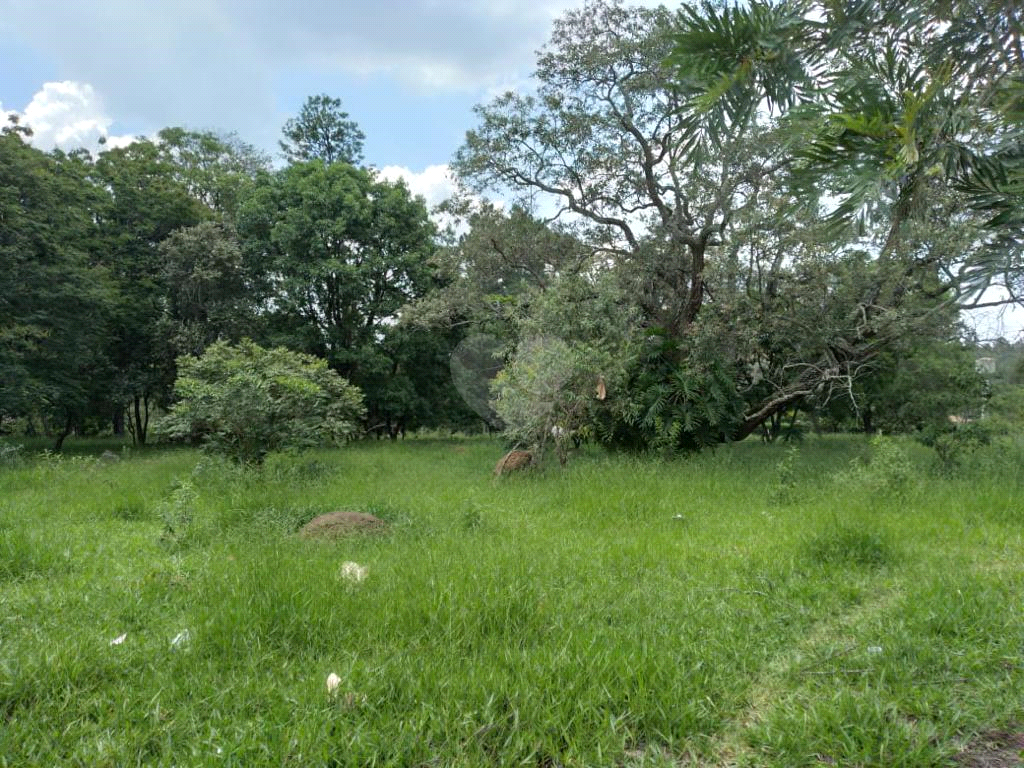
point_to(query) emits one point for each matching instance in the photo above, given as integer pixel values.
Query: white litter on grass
(352, 572)
(119, 639)
(181, 639)
(333, 683)
(874, 650)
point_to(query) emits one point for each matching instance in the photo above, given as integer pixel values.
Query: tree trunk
(140, 419)
(118, 422)
(69, 425)
(868, 421)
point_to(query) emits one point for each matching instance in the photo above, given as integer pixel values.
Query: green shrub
(888, 472)
(245, 402)
(955, 443)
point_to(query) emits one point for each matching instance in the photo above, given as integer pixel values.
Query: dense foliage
(245, 402)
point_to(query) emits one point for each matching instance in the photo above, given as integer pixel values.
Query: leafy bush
(11, 455)
(887, 474)
(245, 402)
(955, 443)
(546, 395)
(177, 513)
(784, 489)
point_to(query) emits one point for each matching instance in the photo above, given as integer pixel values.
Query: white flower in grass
(119, 639)
(333, 683)
(352, 571)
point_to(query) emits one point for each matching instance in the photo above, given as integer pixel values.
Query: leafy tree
(146, 201)
(493, 270)
(245, 402)
(654, 197)
(322, 131)
(700, 186)
(209, 289)
(54, 298)
(345, 252)
(892, 115)
(216, 170)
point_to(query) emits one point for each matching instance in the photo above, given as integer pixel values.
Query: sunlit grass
(624, 611)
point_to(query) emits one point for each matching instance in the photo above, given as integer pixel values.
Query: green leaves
(730, 59)
(245, 402)
(322, 131)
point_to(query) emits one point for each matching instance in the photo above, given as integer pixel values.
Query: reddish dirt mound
(512, 461)
(993, 750)
(337, 524)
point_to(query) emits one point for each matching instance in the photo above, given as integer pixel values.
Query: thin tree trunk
(69, 425)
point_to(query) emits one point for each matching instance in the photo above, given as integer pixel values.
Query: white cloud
(218, 63)
(69, 115)
(434, 183)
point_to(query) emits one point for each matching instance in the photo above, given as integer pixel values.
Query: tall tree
(322, 131)
(902, 99)
(146, 201)
(210, 293)
(649, 190)
(689, 185)
(54, 298)
(215, 169)
(345, 252)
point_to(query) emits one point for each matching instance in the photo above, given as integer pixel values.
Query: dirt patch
(998, 749)
(336, 525)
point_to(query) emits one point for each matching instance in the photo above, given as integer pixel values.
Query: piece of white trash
(119, 639)
(352, 571)
(874, 650)
(181, 639)
(333, 683)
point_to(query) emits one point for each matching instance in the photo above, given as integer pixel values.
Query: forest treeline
(714, 219)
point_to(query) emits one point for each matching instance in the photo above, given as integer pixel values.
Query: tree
(322, 131)
(215, 169)
(245, 402)
(55, 299)
(653, 196)
(210, 292)
(145, 202)
(345, 252)
(892, 117)
(693, 184)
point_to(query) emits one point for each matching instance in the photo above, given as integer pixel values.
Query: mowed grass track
(622, 612)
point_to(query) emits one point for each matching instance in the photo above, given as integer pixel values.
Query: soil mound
(512, 462)
(335, 525)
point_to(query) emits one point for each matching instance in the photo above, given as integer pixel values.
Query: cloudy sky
(408, 71)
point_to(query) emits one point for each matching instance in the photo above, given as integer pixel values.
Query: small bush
(784, 483)
(245, 402)
(11, 455)
(178, 513)
(886, 474)
(954, 444)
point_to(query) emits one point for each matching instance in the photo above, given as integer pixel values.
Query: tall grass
(624, 611)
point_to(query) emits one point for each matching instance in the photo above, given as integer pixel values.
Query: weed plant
(625, 611)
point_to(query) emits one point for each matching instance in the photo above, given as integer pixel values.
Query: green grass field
(750, 606)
